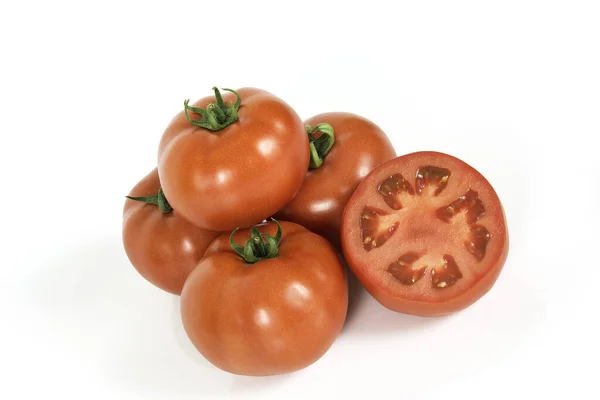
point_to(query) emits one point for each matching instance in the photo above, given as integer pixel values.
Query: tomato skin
(240, 175)
(163, 248)
(359, 146)
(272, 317)
(396, 300)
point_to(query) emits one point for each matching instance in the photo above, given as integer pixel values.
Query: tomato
(278, 312)
(425, 233)
(162, 246)
(236, 165)
(356, 146)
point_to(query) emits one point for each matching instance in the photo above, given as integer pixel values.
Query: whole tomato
(272, 306)
(236, 165)
(162, 246)
(344, 149)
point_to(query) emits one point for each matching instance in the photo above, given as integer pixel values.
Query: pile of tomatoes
(251, 211)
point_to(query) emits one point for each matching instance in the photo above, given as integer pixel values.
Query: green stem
(319, 147)
(157, 199)
(260, 246)
(217, 115)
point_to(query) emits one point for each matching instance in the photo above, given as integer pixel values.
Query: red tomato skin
(360, 145)
(272, 317)
(163, 248)
(238, 176)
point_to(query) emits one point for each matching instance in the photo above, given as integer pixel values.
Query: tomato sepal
(319, 147)
(259, 247)
(218, 115)
(157, 199)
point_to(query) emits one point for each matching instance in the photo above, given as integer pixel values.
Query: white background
(86, 88)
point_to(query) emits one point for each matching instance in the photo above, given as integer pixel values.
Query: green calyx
(260, 246)
(217, 115)
(320, 146)
(157, 199)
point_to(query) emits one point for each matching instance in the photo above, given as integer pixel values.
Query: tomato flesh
(425, 233)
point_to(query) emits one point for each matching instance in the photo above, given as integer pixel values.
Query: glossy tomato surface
(272, 317)
(163, 248)
(240, 175)
(426, 234)
(359, 146)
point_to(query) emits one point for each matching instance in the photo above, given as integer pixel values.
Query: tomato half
(426, 234)
(162, 246)
(358, 146)
(238, 163)
(276, 315)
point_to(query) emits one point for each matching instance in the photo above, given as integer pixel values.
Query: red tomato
(275, 315)
(337, 167)
(426, 234)
(162, 246)
(233, 167)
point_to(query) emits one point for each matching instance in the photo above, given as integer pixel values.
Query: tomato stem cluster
(217, 115)
(157, 199)
(320, 146)
(260, 246)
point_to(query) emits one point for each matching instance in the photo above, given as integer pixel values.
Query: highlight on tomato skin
(161, 245)
(345, 147)
(426, 234)
(265, 301)
(233, 159)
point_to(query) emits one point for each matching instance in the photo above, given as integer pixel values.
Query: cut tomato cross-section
(430, 176)
(428, 249)
(393, 188)
(373, 234)
(404, 269)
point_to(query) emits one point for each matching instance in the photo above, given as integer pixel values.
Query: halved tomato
(425, 233)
